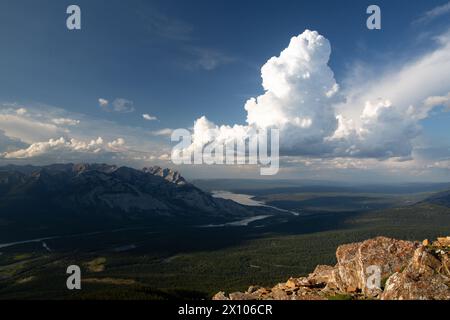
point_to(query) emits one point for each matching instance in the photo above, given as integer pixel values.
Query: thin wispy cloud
(165, 26)
(181, 33)
(123, 105)
(66, 121)
(206, 59)
(21, 111)
(27, 128)
(433, 14)
(9, 144)
(149, 117)
(163, 132)
(119, 105)
(438, 101)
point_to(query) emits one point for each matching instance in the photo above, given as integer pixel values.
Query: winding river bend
(244, 199)
(248, 200)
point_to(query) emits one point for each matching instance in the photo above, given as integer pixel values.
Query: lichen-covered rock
(280, 292)
(425, 278)
(241, 296)
(356, 259)
(410, 271)
(442, 242)
(293, 283)
(322, 275)
(252, 289)
(220, 296)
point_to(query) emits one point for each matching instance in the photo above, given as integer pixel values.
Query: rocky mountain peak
(168, 174)
(109, 190)
(408, 271)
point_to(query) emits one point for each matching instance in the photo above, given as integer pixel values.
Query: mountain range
(101, 193)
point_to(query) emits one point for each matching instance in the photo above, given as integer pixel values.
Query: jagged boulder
(407, 269)
(293, 289)
(220, 296)
(322, 276)
(357, 260)
(427, 277)
(442, 242)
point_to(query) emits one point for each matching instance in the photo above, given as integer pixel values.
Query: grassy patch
(96, 265)
(22, 256)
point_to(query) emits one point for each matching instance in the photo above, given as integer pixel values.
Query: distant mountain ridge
(440, 198)
(105, 192)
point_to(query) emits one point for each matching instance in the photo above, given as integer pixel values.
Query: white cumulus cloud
(376, 118)
(163, 132)
(65, 146)
(103, 102)
(438, 101)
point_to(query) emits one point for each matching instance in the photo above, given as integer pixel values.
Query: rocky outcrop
(358, 261)
(379, 268)
(427, 275)
(168, 174)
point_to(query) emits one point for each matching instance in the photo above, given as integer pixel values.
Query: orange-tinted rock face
(411, 271)
(355, 260)
(425, 278)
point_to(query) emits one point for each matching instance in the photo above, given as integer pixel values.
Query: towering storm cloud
(303, 100)
(300, 90)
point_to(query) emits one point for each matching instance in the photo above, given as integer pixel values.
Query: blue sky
(180, 60)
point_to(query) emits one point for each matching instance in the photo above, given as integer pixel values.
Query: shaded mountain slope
(440, 198)
(104, 193)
